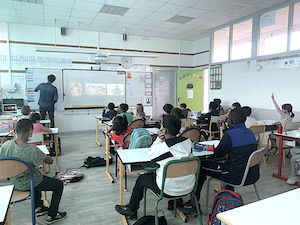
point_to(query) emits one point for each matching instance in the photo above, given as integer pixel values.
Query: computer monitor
(18, 101)
(9, 108)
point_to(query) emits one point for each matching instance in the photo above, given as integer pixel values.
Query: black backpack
(150, 220)
(95, 161)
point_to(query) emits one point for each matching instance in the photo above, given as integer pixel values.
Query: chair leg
(198, 209)
(256, 191)
(175, 207)
(125, 175)
(207, 195)
(265, 160)
(7, 219)
(145, 194)
(284, 158)
(116, 166)
(156, 213)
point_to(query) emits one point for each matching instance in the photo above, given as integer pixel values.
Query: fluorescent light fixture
(141, 55)
(66, 50)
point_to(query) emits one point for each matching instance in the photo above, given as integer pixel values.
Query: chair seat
(19, 195)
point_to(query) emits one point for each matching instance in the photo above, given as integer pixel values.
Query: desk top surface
(285, 205)
(267, 122)
(44, 149)
(45, 121)
(5, 196)
(292, 134)
(152, 130)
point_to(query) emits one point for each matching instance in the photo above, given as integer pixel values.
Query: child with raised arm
(34, 156)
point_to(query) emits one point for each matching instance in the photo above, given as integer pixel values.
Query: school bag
(150, 220)
(4, 128)
(69, 176)
(224, 200)
(140, 138)
(95, 162)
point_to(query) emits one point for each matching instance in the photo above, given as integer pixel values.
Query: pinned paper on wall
(190, 93)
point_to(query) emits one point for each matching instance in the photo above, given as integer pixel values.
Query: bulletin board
(139, 88)
(216, 77)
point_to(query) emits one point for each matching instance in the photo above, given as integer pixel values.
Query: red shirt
(119, 138)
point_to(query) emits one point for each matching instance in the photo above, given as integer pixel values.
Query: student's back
(122, 110)
(120, 129)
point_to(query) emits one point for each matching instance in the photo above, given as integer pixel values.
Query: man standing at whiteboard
(48, 97)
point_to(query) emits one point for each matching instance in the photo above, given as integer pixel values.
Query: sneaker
(292, 180)
(190, 208)
(126, 211)
(59, 216)
(41, 211)
(179, 204)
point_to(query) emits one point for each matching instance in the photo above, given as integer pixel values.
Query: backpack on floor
(150, 220)
(95, 162)
(140, 138)
(69, 176)
(224, 200)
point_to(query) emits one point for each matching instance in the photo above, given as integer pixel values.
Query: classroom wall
(24, 38)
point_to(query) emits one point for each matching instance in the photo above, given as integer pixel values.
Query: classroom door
(190, 89)
(164, 90)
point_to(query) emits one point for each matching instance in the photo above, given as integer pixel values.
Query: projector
(100, 58)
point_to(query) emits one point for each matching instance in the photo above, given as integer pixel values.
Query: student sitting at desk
(204, 119)
(219, 107)
(166, 147)
(120, 128)
(109, 111)
(122, 110)
(177, 112)
(34, 156)
(184, 110)
(140, 114)
(249, 120)
(25, 110)
(238, 142)
(233, 106)
(167, 110)
(37, 127)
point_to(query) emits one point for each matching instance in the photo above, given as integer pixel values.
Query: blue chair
(12, 166)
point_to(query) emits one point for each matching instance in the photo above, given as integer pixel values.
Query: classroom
(149, 52)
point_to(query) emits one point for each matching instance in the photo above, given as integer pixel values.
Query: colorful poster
(216, 77)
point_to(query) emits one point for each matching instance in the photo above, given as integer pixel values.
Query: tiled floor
(92, 200)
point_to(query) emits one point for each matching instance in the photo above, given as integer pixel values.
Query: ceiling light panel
(116, 10)
(30, 1)
(180, 19)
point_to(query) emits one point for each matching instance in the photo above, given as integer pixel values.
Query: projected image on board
(94, 89)
(115, 89)
(75, 89)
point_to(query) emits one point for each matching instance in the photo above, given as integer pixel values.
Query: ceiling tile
(97, 1)
(187, 27)
(9, 19)
(57, 10)
(183, 3)
(193, 12)
(171, 9)
(231, 8)
(83, 14)
(168, 25)
(82, 26)
(267, 4)
(59, 23)
(107, 17)
(28, 6)
(7, 4)
(57, 17)
(149, 22)
(132, 20)
(122, 3)
(138, 13)
(60, 3)
(210, 5)
(102, 23)
(88, 6)
(159, 16)
(175, 31)
(211, 15)
(142, 27)
(32, 15)
(127, 26)
(248, 11)
(80, 20)
(7, 12)
(161, 30)
(147, 4)
(31, 21)
(134, 32)
(98, 28)
(246, 2)
(115, 30)
(165, 1)
(199, 22)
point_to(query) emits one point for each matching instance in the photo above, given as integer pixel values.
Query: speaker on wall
(63, 31)
(124, 37)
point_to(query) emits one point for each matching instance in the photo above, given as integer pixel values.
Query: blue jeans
(50, 110)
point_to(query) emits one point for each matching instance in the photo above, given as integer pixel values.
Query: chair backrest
(192, 133)
(126, 138)
(215, 119)
(139, 123)
(179, 168)
(37, 137)
(12, 166)
(257, 130)
(254, 159)
(288, 126)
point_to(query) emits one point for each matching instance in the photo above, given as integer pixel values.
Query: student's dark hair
(247, 110)
(183, 105)
(25, 110)
(119, 124)
(218, 101)
(124, 107)
(51, 78)
(213, 105)
(35, 117)
(236, 105)
(172, 123)
(177, 112)
(289, 108)
(167, 108)
(23, 126)
(237, 116)
(111, 106)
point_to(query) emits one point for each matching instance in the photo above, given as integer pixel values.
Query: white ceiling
(148, 15)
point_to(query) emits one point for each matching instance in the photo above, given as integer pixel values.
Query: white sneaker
(292, 180)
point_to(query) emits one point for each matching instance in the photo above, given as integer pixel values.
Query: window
(241, 40)
(273, 32)
(295, 37)
(221, 45)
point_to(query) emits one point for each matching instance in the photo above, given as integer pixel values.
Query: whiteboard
(139, 88)
(34, 77)
(88, 88)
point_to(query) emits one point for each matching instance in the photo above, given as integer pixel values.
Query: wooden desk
(285, 211)
(153, 131)
(99, 120)
(5, 197)
(55, 133)
(46, 122)
(107, 147)
(285, 136)
(190, 119)
(271, 125)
